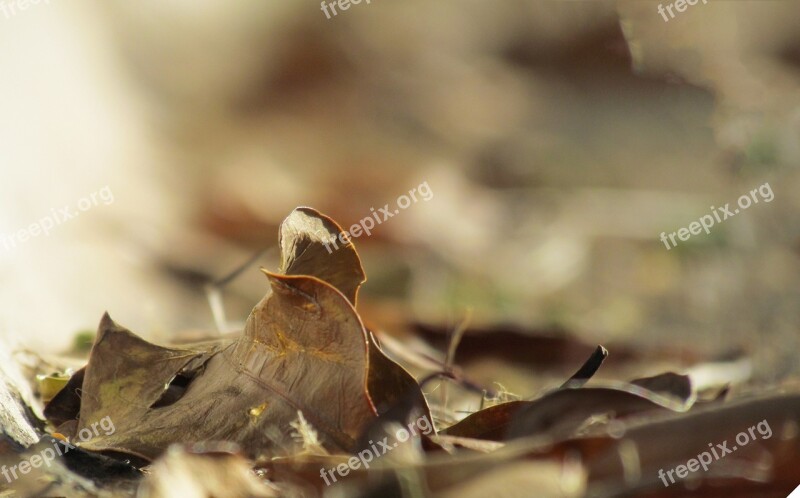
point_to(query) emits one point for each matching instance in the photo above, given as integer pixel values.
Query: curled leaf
(310, 245)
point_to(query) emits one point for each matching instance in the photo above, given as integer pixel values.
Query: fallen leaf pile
(293, 405)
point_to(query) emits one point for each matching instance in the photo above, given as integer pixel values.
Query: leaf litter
(306, 386)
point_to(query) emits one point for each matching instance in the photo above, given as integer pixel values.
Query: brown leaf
(493, 422)
(490, 423)
(306, 249)
(305, 238)
(390, 384)
(66, 404)
(304, 348)
(560, 412)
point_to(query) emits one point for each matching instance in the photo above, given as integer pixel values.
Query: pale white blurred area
(72, 123)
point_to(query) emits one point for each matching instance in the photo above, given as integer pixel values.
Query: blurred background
(559, 140)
